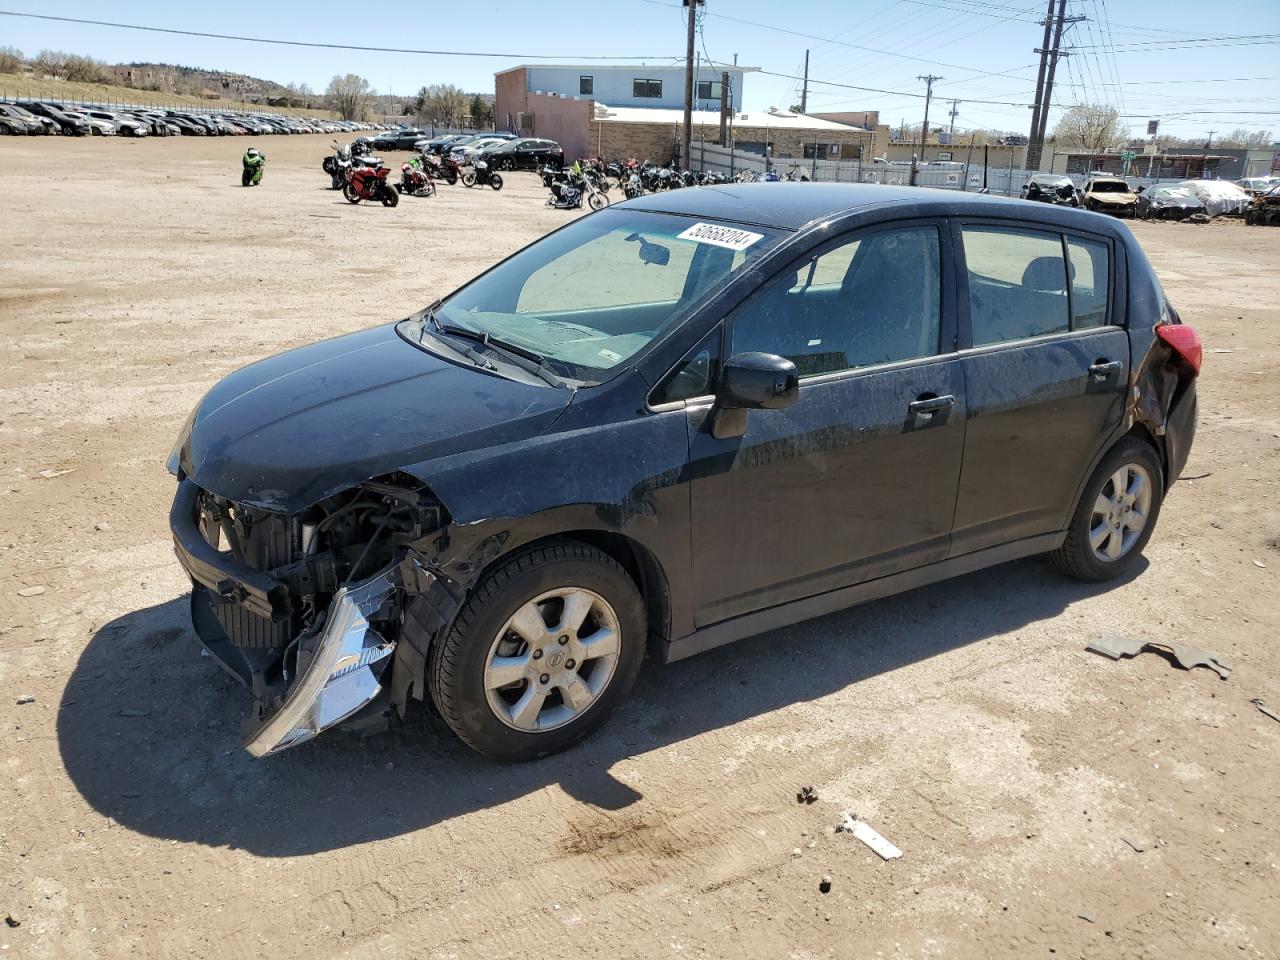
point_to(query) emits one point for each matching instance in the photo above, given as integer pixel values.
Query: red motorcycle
(443, 168)
(414, 181)
(370, 183)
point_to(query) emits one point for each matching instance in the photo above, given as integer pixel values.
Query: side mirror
(757, 381)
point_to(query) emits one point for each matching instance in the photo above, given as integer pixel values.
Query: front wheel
(246, 178)
(388, 196)
(541, 654)
(350, 193)
(508, 164)
(495, 181)
(1116, 514)
(468, 179)
(598, 201)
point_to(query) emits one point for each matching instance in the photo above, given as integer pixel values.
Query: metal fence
(1002, 180)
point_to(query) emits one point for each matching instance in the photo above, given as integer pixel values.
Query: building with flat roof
(617, 84)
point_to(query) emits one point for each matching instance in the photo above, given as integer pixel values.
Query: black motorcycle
(480, 173)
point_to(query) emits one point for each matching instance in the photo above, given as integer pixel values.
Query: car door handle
(1104, 368)
(927, 406)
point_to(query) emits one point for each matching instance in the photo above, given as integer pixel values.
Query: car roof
(791, 206)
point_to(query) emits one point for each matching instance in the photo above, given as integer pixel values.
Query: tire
(1077, 556)
(495, 181)
(388, 196)
(468, 179)
(508, 164)
(349, 192)
(597, 201)
(246, 178)
(458, 664)
(451, 178)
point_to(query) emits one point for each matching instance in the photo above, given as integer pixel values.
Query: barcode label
(719, 236)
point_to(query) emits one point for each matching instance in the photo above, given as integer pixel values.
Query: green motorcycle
(254, 161)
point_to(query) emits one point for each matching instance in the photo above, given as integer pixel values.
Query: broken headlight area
(305, 610)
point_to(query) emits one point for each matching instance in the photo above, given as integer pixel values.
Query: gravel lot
(965, 721)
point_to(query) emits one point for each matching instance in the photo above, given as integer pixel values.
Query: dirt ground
(966, 721)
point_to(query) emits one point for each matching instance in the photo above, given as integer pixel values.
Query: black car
(397, 139)
(68, 123)
(33, 123)
(524, 154)
(680, 421)
(1168, 203)
(1051, 188)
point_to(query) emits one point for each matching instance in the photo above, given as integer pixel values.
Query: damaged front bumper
(342, 675)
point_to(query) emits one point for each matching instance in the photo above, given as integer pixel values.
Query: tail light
(1185, 342)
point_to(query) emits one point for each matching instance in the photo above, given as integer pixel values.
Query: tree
(481, 112)
(441, 103)
(1246, 139)
(1092, 126)
(10, 60)
(349, 95)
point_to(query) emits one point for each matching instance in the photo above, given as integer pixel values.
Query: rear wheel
(1116, 514)
(541, 654)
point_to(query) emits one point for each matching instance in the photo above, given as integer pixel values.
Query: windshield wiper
(522, 357)
(479, 359)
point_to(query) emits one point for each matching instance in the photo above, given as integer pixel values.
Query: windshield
(590, 296)
(1110, 186)
(1172, 193)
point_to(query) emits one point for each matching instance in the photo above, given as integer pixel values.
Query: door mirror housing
(757, 381)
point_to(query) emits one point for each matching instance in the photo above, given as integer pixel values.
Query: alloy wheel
(1120, 512)
(552, 660)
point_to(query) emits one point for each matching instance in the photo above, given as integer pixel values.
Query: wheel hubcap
(552, 660)
(1120, 512)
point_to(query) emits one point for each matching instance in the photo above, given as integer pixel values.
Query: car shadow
(150, 731)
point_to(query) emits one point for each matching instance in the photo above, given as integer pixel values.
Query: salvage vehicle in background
(784, 399)
(1106, 194)
(1051, 188)
(1264, 211)
(69, 123)
(1167, 203)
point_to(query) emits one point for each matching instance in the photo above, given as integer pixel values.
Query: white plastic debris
(868, 835)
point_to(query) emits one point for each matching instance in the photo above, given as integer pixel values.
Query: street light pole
(924, 129)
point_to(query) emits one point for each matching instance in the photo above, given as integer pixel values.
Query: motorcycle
(341, 160)
(253, 162)
(632, 185)
(481, 174)
(414, 180)
(370, 183)
(568, 190)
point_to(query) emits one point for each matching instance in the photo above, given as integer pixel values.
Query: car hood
(1114, 198)
(288, 431)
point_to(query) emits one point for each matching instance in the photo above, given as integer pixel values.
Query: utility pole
(724, 106)
(1035, 146)
(692, 6)
(1209, 145)
(804, 91)
(924, 129)
(955, 104)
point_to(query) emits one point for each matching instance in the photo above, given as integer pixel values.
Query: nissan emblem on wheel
(681, 420)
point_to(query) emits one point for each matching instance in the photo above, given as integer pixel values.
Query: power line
(895, 93)
(326, 46)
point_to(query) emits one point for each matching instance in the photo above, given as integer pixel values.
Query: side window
(1017, 283)
(693, 376)
(874, 299)
(586, 85)
(1090, 282)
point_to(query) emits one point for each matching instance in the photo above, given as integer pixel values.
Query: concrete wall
(612, 85)
(997, 155)
(614, 139)
(562, 119)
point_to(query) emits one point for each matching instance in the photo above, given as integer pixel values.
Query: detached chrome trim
(344, 675)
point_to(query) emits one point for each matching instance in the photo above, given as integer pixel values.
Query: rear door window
(1090, 265)
(1017, 283)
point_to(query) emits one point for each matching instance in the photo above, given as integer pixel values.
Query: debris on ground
(1138, 845)
(1257, 702)
(132, 712)
(1186, 656)
(10, 922)
(806, 795)
(824, 885)
(54, 474)
(26, 698)
(1087, 916)
(868, 835)
(31, 591)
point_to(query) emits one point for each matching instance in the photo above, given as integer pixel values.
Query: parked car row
(502, 151)
(36, 117)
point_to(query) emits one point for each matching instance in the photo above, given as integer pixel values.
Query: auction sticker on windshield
(718, 236)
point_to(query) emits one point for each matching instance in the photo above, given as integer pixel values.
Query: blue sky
(1148, 62)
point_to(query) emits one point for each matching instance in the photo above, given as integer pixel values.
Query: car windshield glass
(590, 296)
(1110, 186)
(1172, 193)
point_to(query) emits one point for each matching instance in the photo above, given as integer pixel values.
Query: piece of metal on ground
(868, 835)
(1137, 845)
(1117, 647)
(1257, 702)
